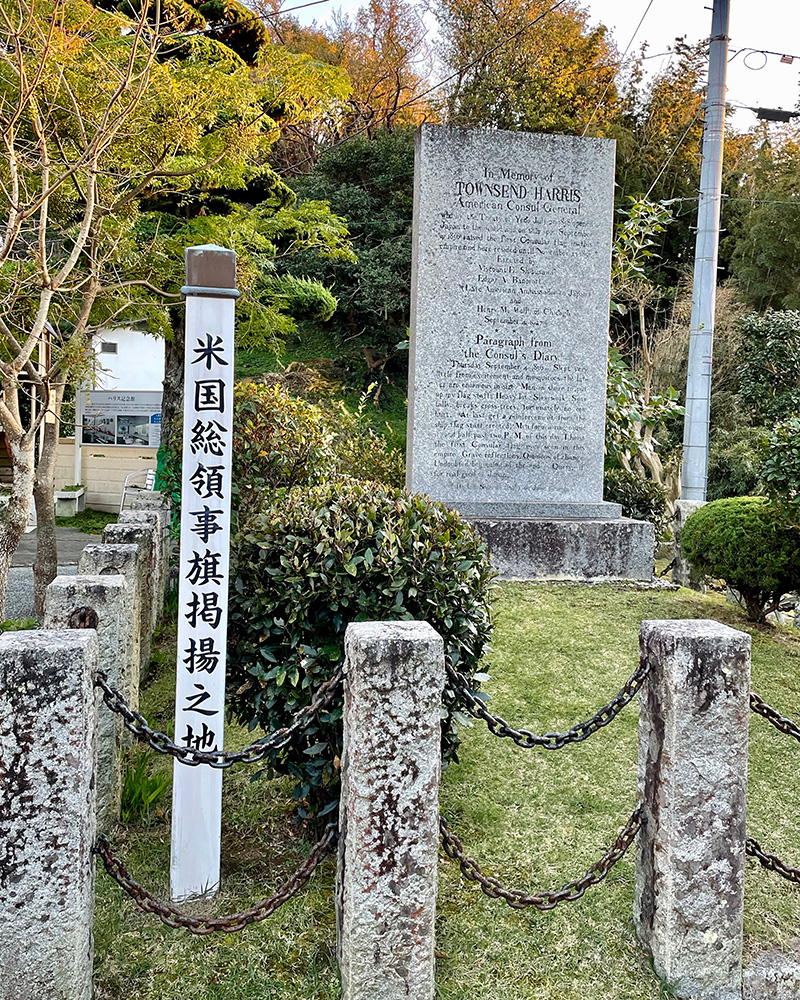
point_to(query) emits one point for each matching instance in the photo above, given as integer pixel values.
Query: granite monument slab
(509, 347)
(510, 321)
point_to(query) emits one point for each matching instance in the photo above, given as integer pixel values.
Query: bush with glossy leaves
(643, 499)
(320, 558)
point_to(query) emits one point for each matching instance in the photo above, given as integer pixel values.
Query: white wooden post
(205, 543)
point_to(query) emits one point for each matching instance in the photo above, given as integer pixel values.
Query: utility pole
(701, 338)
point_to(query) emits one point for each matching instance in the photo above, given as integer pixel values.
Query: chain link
(771, 861)
(549, 741)
(220, 759)
(780, 722)
(517, 898)
(232, 922)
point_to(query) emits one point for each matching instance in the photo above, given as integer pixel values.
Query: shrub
(362, 453)
(769, 375)
(781, 467)
(743, 541)
(734, 462)
(279, 441)
(643, 499)
(320, 558)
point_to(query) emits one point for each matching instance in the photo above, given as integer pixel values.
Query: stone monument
(509, 344)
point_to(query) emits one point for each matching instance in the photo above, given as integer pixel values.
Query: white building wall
(138, 365)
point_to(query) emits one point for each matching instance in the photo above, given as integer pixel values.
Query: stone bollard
(389, 811)
(693, 729)
(683, 572)
(160, 520)
(126, 561)
(101, 603)
(147, 537)
(47, 814)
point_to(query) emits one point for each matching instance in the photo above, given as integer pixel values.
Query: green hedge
(744, 541)
(319, 559)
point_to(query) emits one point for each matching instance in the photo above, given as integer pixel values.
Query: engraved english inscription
(510, 331)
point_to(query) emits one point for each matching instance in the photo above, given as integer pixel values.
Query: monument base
(549, 549)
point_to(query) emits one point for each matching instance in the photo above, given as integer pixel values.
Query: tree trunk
(45, 568)
(172, 403)
(12, 526)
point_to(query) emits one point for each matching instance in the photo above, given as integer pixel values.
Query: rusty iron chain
(771, 861)
(518, 899)
(231, 922)
(137, 724)
(549, 741)
(780, 722)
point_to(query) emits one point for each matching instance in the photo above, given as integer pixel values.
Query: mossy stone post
(126, 561)
(389, 810)
(159, 517)
(693, 734)
(147, 537)
(683, 572)
(101, 603)
(47, 814)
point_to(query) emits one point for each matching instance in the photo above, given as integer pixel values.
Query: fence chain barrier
(780, 722)
(137, 724)
(550, 741)
(771, 861)
(231, 922)
(518, 899)
(752, 847)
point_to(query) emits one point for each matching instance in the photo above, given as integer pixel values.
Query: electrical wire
(418, 97)
(672, 154)
(288, 10)
(764, 52)
(235, 22)
(622, 60)
(756, 69)
(726, 197)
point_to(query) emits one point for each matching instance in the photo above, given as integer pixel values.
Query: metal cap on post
(210, 292)
(211, 271)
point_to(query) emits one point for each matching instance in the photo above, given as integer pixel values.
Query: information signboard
(122, 418)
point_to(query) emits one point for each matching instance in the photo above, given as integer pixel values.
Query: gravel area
(19, 596)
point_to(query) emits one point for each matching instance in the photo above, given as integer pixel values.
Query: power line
(785, 57)
(727, 197)
(289, 10)
(235, 22)
(418, 97)
(672, 154)
(622, 60)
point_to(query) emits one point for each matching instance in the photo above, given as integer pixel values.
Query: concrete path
(19, 596)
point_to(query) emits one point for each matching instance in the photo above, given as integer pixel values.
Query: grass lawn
(535, 819)
(89, 521)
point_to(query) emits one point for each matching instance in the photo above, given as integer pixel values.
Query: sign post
(210, 292)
